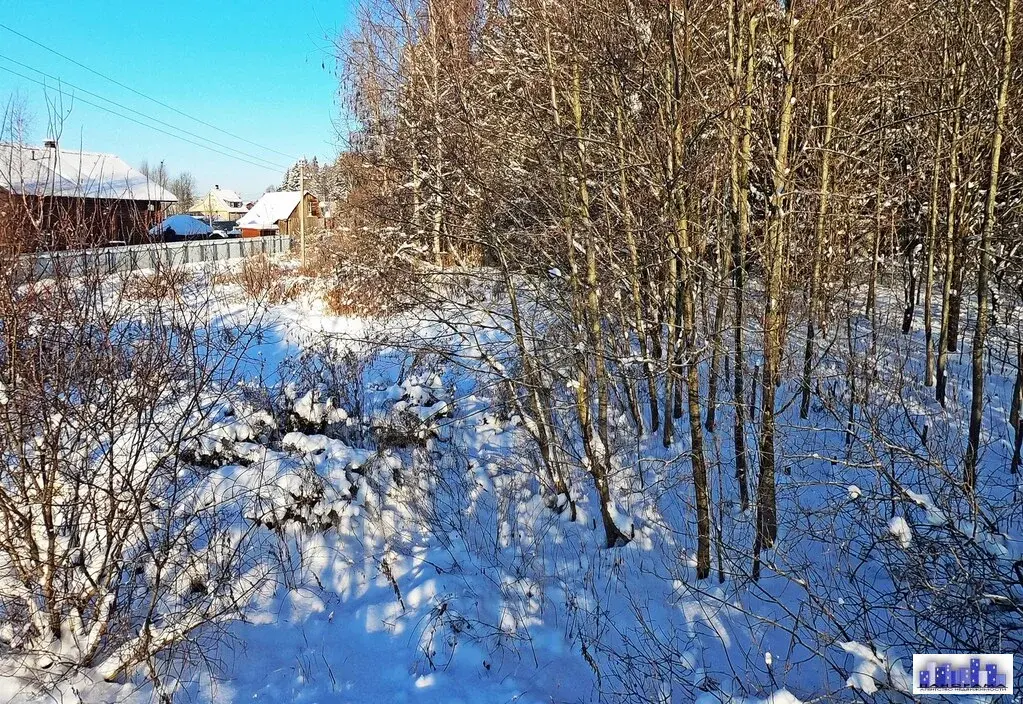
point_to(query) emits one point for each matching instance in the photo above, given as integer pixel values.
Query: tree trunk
(635, 279)
(596, 446)
(956, 301)
(950, 233)
(724, 266)
(983, 273)
(767, 510)
(437, 223)
(1016, 411)
(819, 230)
(538, 404)
(932, 229)
(745, 70)
(875, 246)
(671, 363)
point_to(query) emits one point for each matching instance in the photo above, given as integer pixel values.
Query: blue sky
(261, 70)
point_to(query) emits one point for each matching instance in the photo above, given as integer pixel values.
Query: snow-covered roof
(270, 209)
(228, 195)
(48, 171)
(219, 199)
(184, 225)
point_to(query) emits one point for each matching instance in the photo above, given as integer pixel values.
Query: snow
(30, 170)
(227, 195)
(782, 696)
(872, 668)
(424, 561)
(219, 199)
(899, 528)
(933, 515)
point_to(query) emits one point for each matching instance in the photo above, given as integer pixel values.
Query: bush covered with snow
(115, 558)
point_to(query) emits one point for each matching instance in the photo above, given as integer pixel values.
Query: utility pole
(301, 209)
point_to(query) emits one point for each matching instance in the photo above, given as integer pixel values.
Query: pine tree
(293, 176)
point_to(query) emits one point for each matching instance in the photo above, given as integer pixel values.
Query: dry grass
(366, 280)
(364, 297)
(264, 280)
(319, 262)
(359, 277)
(161, 284)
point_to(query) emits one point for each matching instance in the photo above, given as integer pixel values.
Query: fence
(112, 260)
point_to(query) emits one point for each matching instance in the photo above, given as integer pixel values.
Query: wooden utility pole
(301, 209)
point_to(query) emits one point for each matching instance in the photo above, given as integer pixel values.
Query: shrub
(115, 551)
(370, 278)
(263, 279)
(161, 283)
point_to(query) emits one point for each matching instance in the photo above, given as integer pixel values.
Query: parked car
(117, 243)
(218, 235)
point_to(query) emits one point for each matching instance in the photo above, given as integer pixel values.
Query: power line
(139, 122)
(142, 114)
(141, 94)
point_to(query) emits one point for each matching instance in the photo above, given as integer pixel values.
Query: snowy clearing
(403, 547)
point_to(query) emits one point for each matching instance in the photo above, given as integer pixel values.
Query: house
(57, 198)
(219, 204)
(278, 213)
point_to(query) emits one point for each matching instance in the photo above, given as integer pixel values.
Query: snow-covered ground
(420, 562)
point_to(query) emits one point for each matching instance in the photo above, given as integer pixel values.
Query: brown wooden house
(53, 198)
(278, 213)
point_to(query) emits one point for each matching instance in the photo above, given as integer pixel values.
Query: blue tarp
(182, 226)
